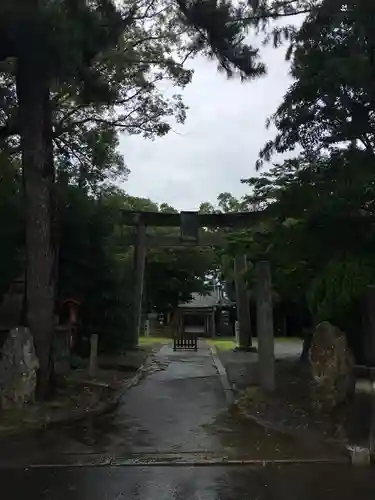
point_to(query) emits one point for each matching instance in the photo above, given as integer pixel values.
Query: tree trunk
(33, 95)
(367, 349)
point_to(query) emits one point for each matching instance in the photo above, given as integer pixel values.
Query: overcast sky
(219, 142)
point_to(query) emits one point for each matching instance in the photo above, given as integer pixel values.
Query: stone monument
(18, 369)
(332, 368)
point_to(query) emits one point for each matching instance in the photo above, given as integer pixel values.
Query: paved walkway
(176, 414)
(186, 395)
(165, 414)
(319, 482)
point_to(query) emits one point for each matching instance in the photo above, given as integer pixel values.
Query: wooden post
(93, 363)
(139, 271)
(243, 306)
(265, 326)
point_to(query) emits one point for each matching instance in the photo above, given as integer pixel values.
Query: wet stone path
(172, 438)
(177, 414)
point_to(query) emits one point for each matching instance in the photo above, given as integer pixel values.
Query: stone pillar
(243, 306)
(93, 363)
(237, 332)
(139, 271)
(265, 326)
(147, 328)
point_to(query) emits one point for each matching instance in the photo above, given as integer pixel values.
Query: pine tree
(57, 43)
(40, 36)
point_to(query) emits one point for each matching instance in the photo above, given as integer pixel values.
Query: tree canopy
(318, 197)
(76, 74)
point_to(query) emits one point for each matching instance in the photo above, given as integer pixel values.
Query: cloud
(219, 143)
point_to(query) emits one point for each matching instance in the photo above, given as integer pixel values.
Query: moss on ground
(145, 341)
(222, 344)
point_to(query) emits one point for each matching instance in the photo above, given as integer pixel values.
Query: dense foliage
(74, 74)
(318, 203)
(96, 258)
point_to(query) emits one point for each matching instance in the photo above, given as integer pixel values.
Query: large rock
(332, 367)
(18, 367)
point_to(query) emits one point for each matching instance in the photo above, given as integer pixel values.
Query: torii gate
(192, 233)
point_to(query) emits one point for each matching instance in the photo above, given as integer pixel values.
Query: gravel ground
(290, 406)
(242, 367)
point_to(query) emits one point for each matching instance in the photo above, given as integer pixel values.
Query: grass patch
(286, 340)
(154, 340)
(228, 343)
(222, 344)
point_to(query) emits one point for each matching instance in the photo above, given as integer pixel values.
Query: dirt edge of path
(78, 399)
(252, 412)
